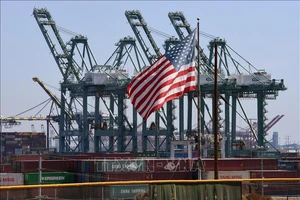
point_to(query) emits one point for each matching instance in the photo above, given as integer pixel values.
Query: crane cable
(72, 33)
(160, 33)
(33, 107)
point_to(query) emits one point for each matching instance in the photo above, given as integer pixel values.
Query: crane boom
(136, 15)
(51, 95)
(63, 58)
(179, 22)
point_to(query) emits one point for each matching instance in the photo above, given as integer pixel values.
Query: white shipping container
(95, 78)
(206, 79)
(227, 175)
(251, 79)
(113, 77)
(11, 179)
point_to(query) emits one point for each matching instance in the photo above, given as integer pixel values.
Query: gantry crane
(260, 85)
(72, 69)
(75, 84)
(139, 25)
(119, 132)
(183, 28)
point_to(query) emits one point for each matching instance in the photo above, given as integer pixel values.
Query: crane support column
(170, 119)
(48, 133)
(227, 124)
(62, 120)
(260, 118)
(144, 136)
(85, 129)
(134, 131)
(121, 122)
(190, 112)
(97, 123)
(181, 118)
(233, 120)
(111, 122)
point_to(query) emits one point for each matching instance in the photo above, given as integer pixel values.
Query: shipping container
(288, 165)
(121, 176)
(47, 165)
(266, 154)
(160, 165)
(129, 165)
(11, 179)
(284, 189)
(147, 154)
(126, 191)
(6, 168)
(290, 154)
(227, 175)
(259, 163)
(228, 164)
(273, 174)
(119, 155)
(173, 176)
(85, 166)
(28, 157)
(88, 177)
(49, 178)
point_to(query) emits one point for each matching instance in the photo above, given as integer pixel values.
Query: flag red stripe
(166, 96)
(146, 85)
(147, 72)
(165, 86)
(174, 96)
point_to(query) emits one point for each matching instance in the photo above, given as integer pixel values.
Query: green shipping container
(126, 191)
(266, 154)
(49, 178)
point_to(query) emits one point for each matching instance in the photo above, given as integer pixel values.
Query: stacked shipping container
(20, 142)
(94, 168)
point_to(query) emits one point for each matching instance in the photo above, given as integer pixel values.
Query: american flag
(168, 78)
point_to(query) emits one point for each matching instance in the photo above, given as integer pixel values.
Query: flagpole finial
(198, 18)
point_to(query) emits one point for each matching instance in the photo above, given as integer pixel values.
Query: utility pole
(199, 103)
(216, 120)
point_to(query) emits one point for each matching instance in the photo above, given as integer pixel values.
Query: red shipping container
(258, 163)
(118, 155)
(124, 176)
(173, 175)
(167, 165)
(47, 165)
(6, 168)
(273, 174)
(283, 189)
(27, 157)
(229, 164)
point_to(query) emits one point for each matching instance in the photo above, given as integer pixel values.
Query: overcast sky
(264, 33)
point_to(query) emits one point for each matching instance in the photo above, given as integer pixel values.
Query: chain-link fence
(249, 189)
